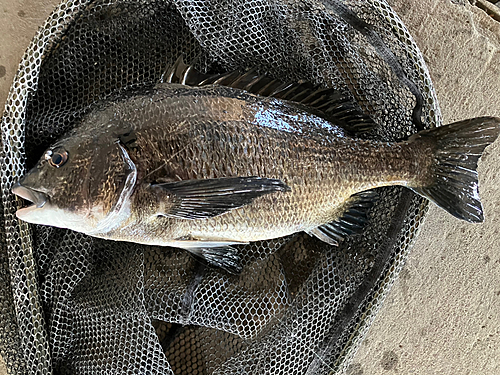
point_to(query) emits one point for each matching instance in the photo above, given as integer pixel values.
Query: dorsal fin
(183, 74)
(331, 104)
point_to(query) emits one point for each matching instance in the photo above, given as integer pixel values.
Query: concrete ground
(443, 314)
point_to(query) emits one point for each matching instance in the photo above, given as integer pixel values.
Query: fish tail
(453, 184)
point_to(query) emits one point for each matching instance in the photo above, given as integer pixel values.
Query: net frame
(28, 318)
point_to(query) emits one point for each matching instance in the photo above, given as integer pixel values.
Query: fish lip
(36, 197)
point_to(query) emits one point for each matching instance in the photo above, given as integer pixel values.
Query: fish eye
(57, 158)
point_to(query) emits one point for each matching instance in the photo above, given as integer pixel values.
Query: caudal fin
(455, 182)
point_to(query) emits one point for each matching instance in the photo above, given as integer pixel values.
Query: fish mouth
(38, 198)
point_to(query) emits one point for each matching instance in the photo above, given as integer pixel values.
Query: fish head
(83, 183)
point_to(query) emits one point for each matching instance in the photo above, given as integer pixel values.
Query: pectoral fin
(351, 222)
(200, 199)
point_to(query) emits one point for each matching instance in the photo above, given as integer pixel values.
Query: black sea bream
(205, 167)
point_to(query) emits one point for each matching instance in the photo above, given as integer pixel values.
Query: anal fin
(351, 222)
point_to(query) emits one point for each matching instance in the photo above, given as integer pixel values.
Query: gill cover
(121, 208)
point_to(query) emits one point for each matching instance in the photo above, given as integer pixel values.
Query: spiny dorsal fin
(351, 222)
(183, 74)
(331, 103)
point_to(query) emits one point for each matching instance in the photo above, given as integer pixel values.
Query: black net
(72, 304)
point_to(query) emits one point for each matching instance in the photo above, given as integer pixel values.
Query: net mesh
(72, 304)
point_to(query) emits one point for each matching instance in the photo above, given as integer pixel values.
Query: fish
(206, 162)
